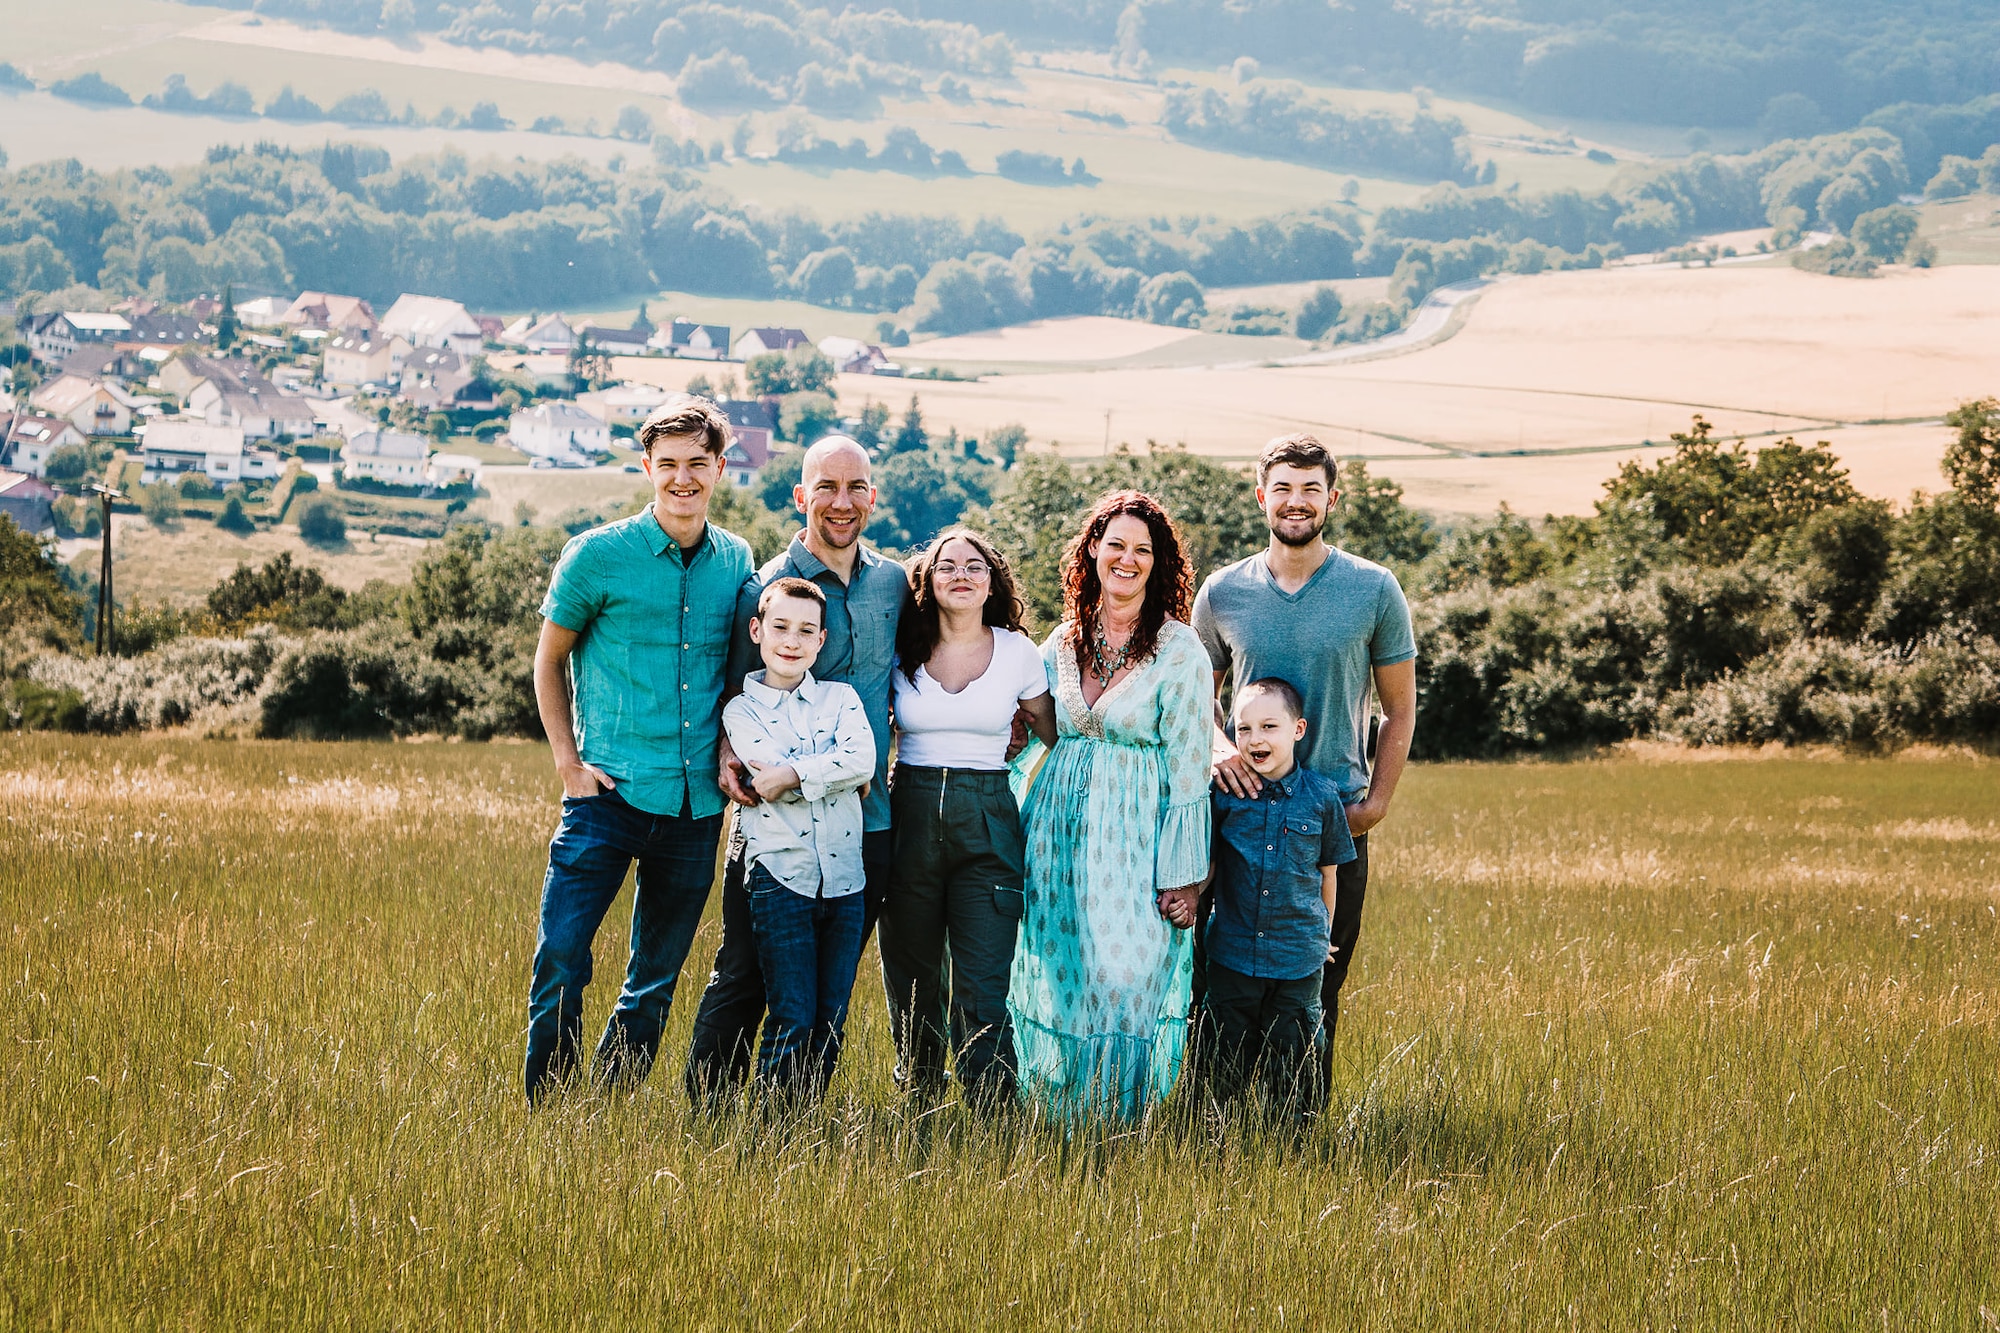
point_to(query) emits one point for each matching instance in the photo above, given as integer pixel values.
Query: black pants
(732, 1007)
(1350, 888)
(955, 899)
(1264, 1031)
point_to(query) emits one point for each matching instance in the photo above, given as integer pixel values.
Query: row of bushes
(1720, 596)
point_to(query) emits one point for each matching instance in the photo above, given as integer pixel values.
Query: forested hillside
(1809, 66)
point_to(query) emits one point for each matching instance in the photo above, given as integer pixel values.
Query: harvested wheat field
(1572, 372)
(1628, 1044)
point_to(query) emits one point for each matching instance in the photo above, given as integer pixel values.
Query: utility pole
(106, 605)
(1107, 431)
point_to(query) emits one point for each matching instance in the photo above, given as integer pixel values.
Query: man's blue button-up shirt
(1269, 919)
(654, 625)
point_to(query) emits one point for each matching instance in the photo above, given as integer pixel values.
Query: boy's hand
(1178, 906)
(771, 781)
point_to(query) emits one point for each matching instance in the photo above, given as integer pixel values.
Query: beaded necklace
(1105, 661)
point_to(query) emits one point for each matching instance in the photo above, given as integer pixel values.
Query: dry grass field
(182, 564)
(1629, 1045)
(1555, 379)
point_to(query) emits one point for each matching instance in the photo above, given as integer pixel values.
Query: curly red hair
(1169, 588)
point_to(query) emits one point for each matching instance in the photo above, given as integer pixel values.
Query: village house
(103, 361)
(329, 312)
(684, 337)
(623, 404)
(29, 501)
(165, 332)
(54, 337)
(617, 342)
(452, 470)
(390, 457)
(233, 392)
(756, 342)
(92, 406)
(543, 333)
(357, 357)
(28, 438)
(753, 426)
(851, 356)
(265, 312)
(562, 431)
(432, 321)
(169, 450)
(436, 379)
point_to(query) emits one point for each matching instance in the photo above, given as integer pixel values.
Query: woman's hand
(1178, 905)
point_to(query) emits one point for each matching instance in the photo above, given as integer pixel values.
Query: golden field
(1630, 1043)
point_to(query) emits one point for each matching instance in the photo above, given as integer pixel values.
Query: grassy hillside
(1626, 1044)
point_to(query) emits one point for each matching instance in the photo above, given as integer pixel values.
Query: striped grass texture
(1629, 1044)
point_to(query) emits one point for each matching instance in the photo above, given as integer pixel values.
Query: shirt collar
(810, 566)
(1287, 785)
(658, 541)
(754, 686)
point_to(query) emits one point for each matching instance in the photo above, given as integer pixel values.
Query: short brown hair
(1278, 688)
(682, 415)
(1301, 450)
(803, 589)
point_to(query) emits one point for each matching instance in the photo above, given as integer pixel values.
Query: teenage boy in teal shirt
(637, 621)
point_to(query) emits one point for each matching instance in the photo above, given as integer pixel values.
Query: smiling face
(1296, 500)
(788, 634)
(1267, 734)
(961, 580)
(835, 494)
(1124, 558)
(683, 474)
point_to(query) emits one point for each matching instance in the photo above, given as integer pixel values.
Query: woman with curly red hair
(1117, 826)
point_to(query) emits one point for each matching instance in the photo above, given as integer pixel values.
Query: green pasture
(1629, 1044)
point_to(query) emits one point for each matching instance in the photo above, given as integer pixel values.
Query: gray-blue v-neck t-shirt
(1326, 639)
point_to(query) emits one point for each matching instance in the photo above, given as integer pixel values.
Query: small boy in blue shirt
(1270, 930)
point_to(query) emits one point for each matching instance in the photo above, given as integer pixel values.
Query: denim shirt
(653, 625)
(1269, 919)
(860, 649)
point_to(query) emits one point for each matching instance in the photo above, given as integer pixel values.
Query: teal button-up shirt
(649, 666)
(861, 618)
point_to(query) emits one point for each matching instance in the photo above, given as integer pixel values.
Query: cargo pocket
(1009, 846)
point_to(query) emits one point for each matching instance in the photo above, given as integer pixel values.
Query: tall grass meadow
(1630, 1043)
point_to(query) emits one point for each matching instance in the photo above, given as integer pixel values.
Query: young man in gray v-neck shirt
(1333, 625)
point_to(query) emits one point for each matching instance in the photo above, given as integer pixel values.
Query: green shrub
(320, 520)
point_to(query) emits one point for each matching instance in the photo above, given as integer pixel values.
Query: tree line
(567, 234)
(1718, 596)
(1790, 68)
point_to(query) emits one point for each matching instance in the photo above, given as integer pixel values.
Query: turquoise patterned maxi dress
(1118, 812)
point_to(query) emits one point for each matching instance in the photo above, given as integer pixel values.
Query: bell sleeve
(1186, 721)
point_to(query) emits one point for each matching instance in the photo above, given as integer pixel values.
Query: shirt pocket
(874, 638)
(1302, 839)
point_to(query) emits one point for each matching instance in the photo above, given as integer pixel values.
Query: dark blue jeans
(808, 949)
(597, 842)
(725, 1026)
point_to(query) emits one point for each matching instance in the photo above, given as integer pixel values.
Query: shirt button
(1260, 934)
(1269, 846)
(683, 687)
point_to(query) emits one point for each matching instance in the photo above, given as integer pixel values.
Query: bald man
(865, 594)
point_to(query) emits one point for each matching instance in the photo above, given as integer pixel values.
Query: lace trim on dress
(1069, 689)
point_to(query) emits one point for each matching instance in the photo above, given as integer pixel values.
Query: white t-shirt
(970, 729)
